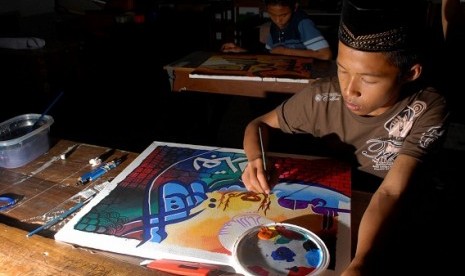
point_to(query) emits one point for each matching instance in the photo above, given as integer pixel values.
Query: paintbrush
(36, 124)
(262, 148)
(61, 217)
(86, 194)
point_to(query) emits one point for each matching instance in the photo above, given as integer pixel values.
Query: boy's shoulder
(329, 83)
(322, 86)
(426, 100)
(429, 93)
(300, 14)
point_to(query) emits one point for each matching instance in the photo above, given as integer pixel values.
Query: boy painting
(376, 110)
(291, 33)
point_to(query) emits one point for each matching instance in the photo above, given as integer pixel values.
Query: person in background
(452, 53)
(380, 114)
(453, 21)
(291, 33)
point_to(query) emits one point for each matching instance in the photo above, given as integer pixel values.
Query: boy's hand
(255, 178)
(232, 48)
(354, 269)
(279, 50)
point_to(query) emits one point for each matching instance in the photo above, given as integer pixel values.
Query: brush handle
(46, 110)
(60, 217)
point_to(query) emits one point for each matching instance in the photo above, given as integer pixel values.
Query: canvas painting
(188, 202)
(255, 68)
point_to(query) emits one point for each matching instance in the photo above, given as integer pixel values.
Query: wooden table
(49, 181)
(178, 73)
(46, 186)
(40, 255)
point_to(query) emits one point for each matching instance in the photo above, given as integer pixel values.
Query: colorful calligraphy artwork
(188, 202)
(255, 68)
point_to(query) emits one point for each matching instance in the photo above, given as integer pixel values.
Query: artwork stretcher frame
(250, 67)
(187, 202)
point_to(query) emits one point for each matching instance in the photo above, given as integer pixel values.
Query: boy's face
(280, 15)
(369, 83)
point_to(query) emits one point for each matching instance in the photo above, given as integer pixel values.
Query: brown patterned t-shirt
(413, 126)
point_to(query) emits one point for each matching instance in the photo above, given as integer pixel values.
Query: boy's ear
(414, 73)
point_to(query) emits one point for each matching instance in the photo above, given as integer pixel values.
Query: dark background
(110, 67)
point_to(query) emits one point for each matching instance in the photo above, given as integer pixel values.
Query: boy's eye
(341, 71)
(369, 80)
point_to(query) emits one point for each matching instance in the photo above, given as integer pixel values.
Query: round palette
(280, 249)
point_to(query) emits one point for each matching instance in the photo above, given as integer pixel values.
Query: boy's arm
(323, 54)
(230, 47)
(254, 175)
(381, 209)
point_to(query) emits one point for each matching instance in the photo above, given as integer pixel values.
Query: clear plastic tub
(20, 142)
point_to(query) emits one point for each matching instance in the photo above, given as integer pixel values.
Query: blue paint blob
(313, 257)
(283, 253)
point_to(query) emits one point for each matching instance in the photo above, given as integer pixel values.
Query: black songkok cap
(379, 25)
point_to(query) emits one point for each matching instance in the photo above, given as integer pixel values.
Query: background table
(178, 73)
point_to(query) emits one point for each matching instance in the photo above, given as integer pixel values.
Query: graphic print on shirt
(431, 136)
(383, 151)
(327, 97)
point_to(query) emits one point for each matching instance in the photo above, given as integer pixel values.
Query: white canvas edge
(246, 78)
(67, 234)
(224, 77)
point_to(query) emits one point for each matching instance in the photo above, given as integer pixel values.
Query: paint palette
(280, 249)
